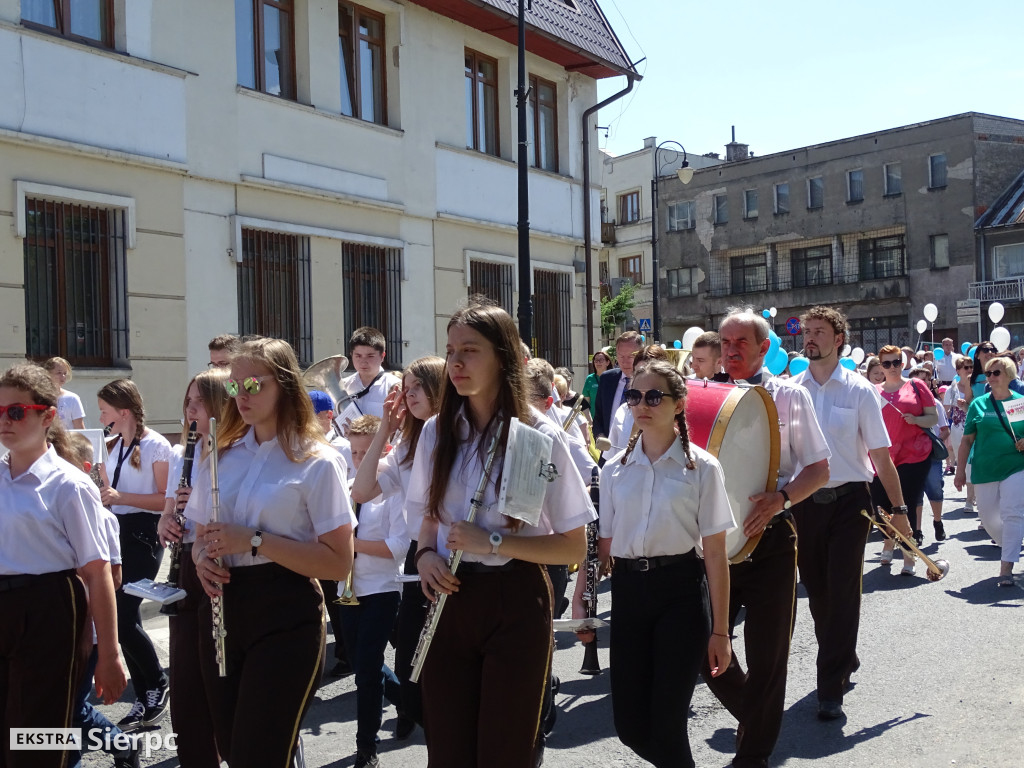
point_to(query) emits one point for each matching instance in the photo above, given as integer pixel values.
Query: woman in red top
(908, 408)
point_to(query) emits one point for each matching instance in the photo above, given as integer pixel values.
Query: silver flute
(216, 603)
(434, 611)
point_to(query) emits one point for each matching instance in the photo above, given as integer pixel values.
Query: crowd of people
(378, 499)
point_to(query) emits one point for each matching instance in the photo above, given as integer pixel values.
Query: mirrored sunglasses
(652, 397)
(251, 384)
(16, 411)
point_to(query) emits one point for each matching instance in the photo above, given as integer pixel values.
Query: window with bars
(361, 53)
(372, 293)
(629, 207)
(552, 295)
(632, 267)
(811, 266)
(542, 125)
(88, 21)
(493, 280)
(682, 216)
(749, 273)
(481, 103)
(265, 46)
(876, 332)
(274, 289)
(882, 257)
(76, 297)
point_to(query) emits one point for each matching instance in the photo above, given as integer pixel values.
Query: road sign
(968, 315)
(968, 304)
(645, 325)
(793, 326)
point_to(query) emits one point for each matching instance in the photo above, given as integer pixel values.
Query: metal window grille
(749, 273)
(874, 333)
(372, 293)
(882, 257)
(553, 326)
(274, 289)
(494, 281)
(811, 266)
(76, 298)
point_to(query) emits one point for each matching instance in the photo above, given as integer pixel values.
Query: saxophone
(176, 547)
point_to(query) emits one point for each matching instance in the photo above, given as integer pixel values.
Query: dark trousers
(411, 613)
(659, 639)
(274, 649)
(831, 561)
(191, 714)
(41, 660)
(483, 680)
(366, 628)
(912, 480)
(766, 585)
(330, 589)
(141, 554)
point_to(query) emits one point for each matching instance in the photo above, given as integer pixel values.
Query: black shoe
(919, 538)
(341, 669)
(130, 759)
(134, 720)
(538, 751)
(940, 531)
(367, 760)
(404, 727)
(830, 710)
(156, 702)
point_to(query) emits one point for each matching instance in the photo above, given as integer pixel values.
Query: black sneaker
(367, 760)
(341, 669)
(135, 718)
(830, 710)
(156, 706)
(919, 538)
(940, 531)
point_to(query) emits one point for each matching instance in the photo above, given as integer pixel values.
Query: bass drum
(738, 425)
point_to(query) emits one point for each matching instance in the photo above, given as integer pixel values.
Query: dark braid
(684, 438)
(677, 389)
(632, 444)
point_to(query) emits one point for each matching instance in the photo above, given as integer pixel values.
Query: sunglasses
(652, 397)
(16, 412)
(251, 384)
(996, 372)
(891, 363)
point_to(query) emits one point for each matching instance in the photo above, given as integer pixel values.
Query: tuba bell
(326, 375)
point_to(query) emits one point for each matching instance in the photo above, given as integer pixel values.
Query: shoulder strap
(1002, 419)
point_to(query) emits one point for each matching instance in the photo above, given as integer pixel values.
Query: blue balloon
(956, 379)
(964, 347)
(643, 339)
(847, 362)
(971, 353)
(766, 313)
(677, 344)
(777, 361)
(939, 353)
(798, 365)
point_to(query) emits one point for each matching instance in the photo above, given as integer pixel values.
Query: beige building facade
(172, 171)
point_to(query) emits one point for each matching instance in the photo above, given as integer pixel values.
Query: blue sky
(792, 73)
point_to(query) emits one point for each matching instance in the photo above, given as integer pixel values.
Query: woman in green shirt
(600, 363)
(997, 463)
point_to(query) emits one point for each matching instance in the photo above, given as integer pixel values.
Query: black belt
(630, 564)
(18, 581)
(830, 495)
(474, 567)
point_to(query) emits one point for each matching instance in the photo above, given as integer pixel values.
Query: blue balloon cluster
(972, 351)
(964, 347)
(848, 364)
(798, 365)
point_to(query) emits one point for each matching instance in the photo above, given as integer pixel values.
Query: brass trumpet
(347, 596)
(937, 569)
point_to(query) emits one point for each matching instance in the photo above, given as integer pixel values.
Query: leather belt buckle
(825, 496)
(642, 564)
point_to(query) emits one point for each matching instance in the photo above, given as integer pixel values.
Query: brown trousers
(41, 659)
(274, 648)
(484, 678)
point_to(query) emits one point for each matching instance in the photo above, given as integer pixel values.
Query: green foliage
(613, 311)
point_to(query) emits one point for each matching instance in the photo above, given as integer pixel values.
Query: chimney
(649, 142)
(734, 150)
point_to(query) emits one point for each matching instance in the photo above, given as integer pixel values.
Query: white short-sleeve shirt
(261, 488)
(393, 474)
(69, 408)
(380, 520)
(155, 448)
(650, 509)
(51, 518)
(578, 450)
(372, 403)
(801, 440)
(566, 506)
(849, 412)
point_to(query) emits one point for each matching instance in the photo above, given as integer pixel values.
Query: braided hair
(677, 390)
(123, 394)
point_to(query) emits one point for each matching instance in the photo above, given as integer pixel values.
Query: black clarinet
(591, 664)
(176, 547)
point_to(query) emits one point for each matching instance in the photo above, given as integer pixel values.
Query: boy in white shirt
(369, 386)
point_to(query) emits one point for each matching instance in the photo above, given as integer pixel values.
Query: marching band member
(51, 523)
(766, 582)
(284, 521)
(190, 709)
(370, 385)
(663, 505)
(387, 475)
(135, 493)
(380, 545)
(221, 349)
(70, 410)
(484, 679)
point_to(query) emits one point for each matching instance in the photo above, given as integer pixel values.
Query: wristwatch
(256, 541)
(788, 501)
(495, 542)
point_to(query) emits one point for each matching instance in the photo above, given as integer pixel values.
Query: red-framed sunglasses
(16, 411)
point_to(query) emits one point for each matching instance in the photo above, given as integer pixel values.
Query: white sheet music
(525, 475)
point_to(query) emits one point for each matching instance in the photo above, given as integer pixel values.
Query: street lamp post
(685, 174)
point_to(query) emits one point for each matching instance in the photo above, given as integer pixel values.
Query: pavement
(941, 681)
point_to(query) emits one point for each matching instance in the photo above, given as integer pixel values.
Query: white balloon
(858, 355)
(846, 351)
(931, 312)
(995, 311)
(1000, 337)
(905, 360)
(922, 326)
(773, 311)
(691, 336)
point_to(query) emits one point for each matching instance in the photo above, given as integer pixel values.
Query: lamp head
(685, 173)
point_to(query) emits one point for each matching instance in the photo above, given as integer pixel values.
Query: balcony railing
(608, 233)
(1008, 289)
